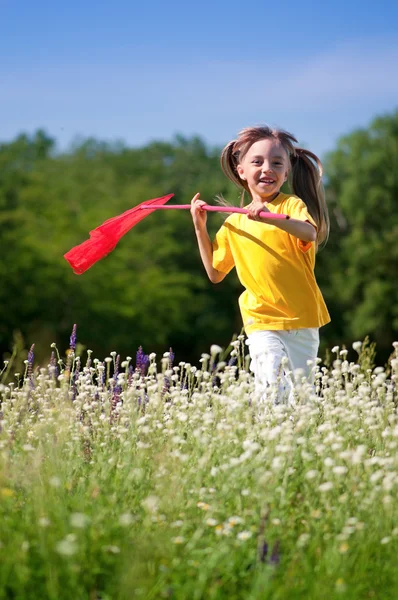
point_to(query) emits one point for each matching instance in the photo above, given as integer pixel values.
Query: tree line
(152, 291)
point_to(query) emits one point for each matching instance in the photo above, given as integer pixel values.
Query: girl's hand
(199, 216)
(254, 208)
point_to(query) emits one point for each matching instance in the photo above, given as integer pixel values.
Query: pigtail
(229, 161)
(306, 183)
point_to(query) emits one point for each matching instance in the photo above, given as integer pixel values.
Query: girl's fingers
(195, 198)
(196, 202)
(198, 213)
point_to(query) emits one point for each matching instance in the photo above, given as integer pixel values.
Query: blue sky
(137, 71)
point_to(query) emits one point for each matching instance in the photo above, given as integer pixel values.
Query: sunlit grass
(178, 483)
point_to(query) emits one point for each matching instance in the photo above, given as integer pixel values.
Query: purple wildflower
(72, 343)
(141, 365)
(130, 375)
(232, 361)
(31, 360)
(215, 380)
(275, 558)
(139, 357)
(142, 361)
(145, 364)
(263, 551)
(262, 546)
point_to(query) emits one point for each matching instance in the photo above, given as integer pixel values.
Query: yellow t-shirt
(275, 268)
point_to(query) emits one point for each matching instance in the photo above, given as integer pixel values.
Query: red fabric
(104, 238)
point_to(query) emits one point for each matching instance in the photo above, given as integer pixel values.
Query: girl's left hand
(254, 208)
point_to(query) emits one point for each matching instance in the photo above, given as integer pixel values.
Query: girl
(282, 307)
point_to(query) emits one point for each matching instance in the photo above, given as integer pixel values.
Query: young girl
(282, 307)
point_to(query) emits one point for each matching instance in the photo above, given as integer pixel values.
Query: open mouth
(266, 181)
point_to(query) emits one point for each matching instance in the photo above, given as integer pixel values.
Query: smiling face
(264, 167)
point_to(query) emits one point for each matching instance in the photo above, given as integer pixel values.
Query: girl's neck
(256, 198)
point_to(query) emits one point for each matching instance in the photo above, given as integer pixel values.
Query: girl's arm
(199, 218)
(303, 230)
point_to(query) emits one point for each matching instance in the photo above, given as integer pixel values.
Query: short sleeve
(223, 259)
(300, 212)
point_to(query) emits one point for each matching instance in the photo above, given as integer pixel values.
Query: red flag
(104, 238)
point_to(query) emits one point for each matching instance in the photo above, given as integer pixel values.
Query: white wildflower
(126, 519)
(151, 504)
(79, 520)
(178, 523)
(111, 549)
(67, 547)
(55, 482)
(28, 448)
(214, 349)
(244, 535)
(303, 540)
(326, 486)
(340, 470)
(235, 520)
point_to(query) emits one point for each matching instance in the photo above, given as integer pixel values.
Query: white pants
(275, 356)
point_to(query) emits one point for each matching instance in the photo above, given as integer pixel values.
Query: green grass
(173, 495)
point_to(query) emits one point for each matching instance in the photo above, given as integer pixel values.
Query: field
(144, 479)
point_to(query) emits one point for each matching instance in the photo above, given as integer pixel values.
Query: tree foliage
(360, 264)
(152, 290)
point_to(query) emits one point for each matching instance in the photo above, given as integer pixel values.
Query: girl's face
(265, 167)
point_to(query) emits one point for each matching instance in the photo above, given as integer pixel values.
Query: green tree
(359, 268)
(152, 290)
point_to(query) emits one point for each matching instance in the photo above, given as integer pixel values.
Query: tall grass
(171, 481)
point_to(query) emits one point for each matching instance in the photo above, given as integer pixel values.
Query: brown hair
(305, 175)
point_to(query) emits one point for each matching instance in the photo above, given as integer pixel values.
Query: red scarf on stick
(104, 238)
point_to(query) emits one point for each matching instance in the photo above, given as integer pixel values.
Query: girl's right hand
(199, 216)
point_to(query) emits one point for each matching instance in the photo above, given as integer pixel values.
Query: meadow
(144, 479)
